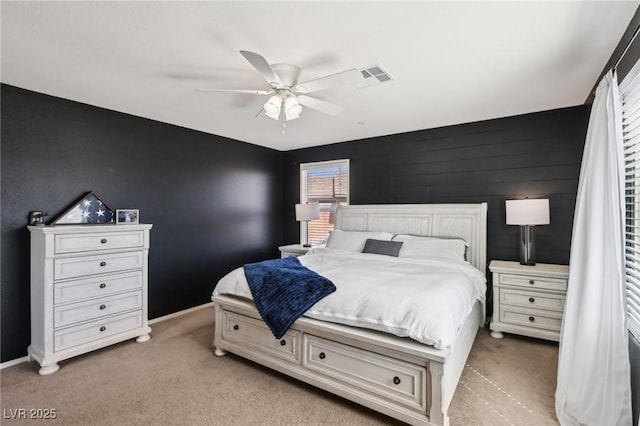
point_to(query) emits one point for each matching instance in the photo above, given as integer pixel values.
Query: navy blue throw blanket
(283, 290)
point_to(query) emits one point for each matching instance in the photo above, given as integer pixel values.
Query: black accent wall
(217, 203)
(535, 155)
(214, 203)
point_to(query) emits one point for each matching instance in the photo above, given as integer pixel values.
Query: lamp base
(527, 246)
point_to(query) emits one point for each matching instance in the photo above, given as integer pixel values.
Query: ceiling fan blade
(251, 92)
(322, 106)
(343, 78)
(263, 67)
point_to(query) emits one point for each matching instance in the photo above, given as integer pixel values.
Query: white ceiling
(454, 62)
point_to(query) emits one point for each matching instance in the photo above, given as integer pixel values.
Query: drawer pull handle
(396, 380)
(532, 319)
(103, 328)
(283, 342)
(103, 285)
(235, 327)
(103, 263)
(532, 282)
(103, 306)
(322, 355)
(531, 299)
(103, 241)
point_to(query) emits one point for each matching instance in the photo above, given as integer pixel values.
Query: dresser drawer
(87, 288)
(248, 332)
(547, 320)
(92, 309)
(90, 265)
(530, 299)
(96, 330)
(376, 374)
(75, 243)
(531, 281)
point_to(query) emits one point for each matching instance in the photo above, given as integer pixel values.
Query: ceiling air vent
(373, 76)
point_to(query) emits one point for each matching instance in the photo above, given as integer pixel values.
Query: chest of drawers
(88, 289)
(528, 300)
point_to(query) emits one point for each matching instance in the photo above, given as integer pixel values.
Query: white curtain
(593, 386)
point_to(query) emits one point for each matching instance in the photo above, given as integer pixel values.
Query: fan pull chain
(282, 115)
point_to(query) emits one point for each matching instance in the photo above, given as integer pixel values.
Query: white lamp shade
(528, 212)
(272, 107)
(292, 107)
(307, 212)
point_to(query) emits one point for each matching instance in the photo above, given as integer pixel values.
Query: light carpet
(174, 379)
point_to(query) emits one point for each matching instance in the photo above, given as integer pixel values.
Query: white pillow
(431, 247)
(354, 240)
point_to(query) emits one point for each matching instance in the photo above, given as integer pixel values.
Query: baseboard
(13, 362)
(180, 313)
(20, 360)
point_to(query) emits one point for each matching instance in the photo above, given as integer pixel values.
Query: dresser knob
(532, 282)
(103, 285)
(531, 299)
(103, 263)
(283, 342)
(103, 241)
(396, 380)
(532, 319)
(322, 355)
(103, 328)
(235, 327)
(103, 306)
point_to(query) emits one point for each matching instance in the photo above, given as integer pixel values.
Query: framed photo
(127, 216)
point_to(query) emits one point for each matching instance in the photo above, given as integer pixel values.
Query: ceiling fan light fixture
(289, 117)
(292, 108)
(275, 116)
(272, 107)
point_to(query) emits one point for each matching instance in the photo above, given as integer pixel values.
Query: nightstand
(528, 300)
(293, 250)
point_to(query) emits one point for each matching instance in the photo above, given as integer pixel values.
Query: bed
(395, 375)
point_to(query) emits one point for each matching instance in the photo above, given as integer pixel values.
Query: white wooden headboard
(467, 221)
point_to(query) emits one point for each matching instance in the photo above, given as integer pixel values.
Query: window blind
(325, 183)
(630, 99)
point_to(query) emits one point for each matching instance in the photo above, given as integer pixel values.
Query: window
(630, 99)
(325, 183)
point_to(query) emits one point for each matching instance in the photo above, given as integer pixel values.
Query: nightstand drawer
(533, 281)
(96, 330)
(90, 265)
(87, 288)
(530, 299)
(75, 243)
(531, 318)
(85, 311)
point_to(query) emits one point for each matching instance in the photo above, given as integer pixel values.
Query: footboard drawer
(386, 377)
(250, 333)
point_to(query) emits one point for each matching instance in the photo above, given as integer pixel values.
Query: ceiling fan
(289, 96)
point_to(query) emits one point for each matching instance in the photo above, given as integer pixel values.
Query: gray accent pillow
(388, 248)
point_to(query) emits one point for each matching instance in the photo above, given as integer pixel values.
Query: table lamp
(305, 213)
(527, 213)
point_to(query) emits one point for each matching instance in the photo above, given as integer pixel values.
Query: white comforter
(426, 300)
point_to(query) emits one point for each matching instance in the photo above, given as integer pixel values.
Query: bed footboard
(401, 378)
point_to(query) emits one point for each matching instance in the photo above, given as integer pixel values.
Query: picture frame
(127, 216)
